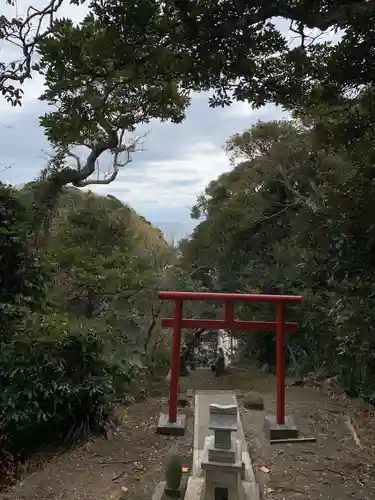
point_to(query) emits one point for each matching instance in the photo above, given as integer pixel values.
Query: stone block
(189, 393)
(253, 401)
(222, 456)
(225, 460)
(171, 428)
(276, 431)
(223, 440)
(215, 408)
(223, 417)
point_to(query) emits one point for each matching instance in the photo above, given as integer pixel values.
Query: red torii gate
(229, 323)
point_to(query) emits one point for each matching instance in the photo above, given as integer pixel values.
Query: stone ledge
(195, 487)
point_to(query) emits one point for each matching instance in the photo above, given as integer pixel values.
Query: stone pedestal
(222, 458)
(172, 429)
(275, 431)
(160, 493)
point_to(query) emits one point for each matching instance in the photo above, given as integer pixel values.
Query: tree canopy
(230, 47)
(294, 215)
(128, 63)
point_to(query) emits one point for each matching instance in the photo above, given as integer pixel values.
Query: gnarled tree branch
(116, 165)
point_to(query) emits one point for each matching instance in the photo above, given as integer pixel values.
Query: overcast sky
(162, 182)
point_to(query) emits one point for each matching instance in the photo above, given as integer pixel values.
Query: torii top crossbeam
(231, 297)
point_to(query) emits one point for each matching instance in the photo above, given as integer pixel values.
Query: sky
(163, 181)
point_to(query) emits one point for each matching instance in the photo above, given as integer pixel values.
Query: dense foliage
(236, 49)
(295, 216)
(79, 313)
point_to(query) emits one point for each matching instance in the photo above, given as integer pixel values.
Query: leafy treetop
(237, 49)
(128, 63)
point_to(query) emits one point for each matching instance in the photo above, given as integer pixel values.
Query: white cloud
(170, 183)
(240, 110)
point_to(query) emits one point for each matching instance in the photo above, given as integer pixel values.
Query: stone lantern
(222, 458)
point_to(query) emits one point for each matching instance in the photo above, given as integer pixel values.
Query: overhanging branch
(117, 164)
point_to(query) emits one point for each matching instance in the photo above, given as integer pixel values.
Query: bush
(57, 380)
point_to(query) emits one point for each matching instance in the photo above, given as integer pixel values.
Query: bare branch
(76, 157)
(24, 34)
(7, 167)
(117, 164)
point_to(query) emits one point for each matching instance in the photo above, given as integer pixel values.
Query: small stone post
(171, 487)
(173, 474)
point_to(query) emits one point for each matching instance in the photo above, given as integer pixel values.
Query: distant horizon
(175, 230)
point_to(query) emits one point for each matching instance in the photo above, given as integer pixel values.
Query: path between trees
(334, 468)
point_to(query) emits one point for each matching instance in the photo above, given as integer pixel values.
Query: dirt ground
(131, 458)
(339, 466)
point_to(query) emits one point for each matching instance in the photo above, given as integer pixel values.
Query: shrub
(57, 379)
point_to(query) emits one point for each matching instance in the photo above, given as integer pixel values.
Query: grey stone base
(275, 431)
(160, 492)
(171, 429)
